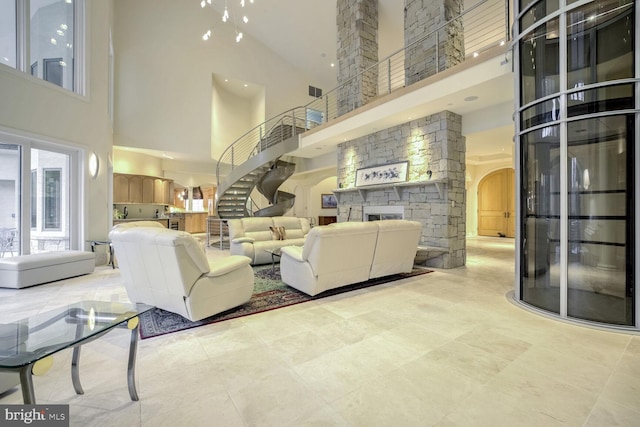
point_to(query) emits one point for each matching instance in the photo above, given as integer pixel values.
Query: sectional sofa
(253, 236)
(350, 252)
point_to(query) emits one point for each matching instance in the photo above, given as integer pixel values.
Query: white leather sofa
(168, 269)
(350, 252)
(252, 237)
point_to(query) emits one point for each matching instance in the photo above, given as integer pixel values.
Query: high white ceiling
(303, 33)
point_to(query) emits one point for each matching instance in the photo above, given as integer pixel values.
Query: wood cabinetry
(147, 189)
(135, 189)
(141, 189)
(120, 188)
(195, 222)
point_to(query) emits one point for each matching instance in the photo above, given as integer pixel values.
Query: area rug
(269, 294)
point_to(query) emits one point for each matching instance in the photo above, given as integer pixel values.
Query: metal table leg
(133, 349)
(26, 384)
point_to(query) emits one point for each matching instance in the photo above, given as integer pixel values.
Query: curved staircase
(259, 168)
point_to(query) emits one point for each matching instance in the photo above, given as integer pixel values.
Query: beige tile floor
(443, 349)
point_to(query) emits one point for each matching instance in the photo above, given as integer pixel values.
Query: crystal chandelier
(226, 17)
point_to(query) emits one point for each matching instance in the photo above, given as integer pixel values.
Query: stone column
(357, 50)
(439, 51)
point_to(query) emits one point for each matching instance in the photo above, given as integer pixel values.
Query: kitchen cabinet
(120, 188)
(147, 189)
(195, 222)
(158, 191)
(141, 189)
(135, 189)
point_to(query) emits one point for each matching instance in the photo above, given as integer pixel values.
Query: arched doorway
(496, 204)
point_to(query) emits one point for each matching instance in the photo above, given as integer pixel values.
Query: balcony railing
(484, 25)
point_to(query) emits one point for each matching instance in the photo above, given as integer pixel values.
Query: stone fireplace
(377, 213)
(434, 193)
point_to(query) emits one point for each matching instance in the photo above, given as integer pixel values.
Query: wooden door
(496, 204)
(511, 203)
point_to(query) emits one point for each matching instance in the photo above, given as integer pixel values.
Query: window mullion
(22, 35)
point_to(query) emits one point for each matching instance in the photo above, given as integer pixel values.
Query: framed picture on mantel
(383, 174)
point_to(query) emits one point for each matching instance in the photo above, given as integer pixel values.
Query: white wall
(38, 110)
(232, 116)
(125, 161)
(164, 70)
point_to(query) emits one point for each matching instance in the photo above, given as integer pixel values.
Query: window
(48, 41)
(8, 33)
(53, 71)
(52, 199)
(34, 198)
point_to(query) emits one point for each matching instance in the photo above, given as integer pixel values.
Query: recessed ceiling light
(333, 65)
(471, 98)
(246, 85)
(226, 80)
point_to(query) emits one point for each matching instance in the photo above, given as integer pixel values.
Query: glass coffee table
(27, 346)
(276, 254)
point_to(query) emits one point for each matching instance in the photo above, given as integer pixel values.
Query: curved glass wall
(577, 132)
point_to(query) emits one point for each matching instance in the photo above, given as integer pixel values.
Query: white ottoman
(34, 269)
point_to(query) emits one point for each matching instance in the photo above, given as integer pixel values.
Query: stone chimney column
(357, 50)
(439, 51)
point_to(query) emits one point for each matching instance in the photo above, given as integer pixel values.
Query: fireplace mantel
(397, 187)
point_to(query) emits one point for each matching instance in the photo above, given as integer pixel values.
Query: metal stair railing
(485, 25)
(261, 137)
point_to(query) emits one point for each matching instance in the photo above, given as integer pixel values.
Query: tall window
(8, 33)
(49, 48)
(34, 198)
(52, 199)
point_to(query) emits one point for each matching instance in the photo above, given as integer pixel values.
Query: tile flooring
(442, 349)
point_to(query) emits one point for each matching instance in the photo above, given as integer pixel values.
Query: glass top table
(276, 254)
(27, 345)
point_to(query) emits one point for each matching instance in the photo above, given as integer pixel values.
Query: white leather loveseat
(350, 252)
(252, 236)
(168, 269)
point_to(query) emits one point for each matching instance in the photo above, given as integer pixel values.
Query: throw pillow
(275, 233)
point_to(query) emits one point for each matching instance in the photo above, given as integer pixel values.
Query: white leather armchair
(168, 269)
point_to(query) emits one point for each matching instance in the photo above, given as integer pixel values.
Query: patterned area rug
(269, 294)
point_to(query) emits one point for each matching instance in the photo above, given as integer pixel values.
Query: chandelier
(227, 16)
